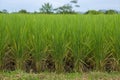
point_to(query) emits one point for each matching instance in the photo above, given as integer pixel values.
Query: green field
(59, 43)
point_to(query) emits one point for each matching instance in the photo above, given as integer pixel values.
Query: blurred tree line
(47, 8)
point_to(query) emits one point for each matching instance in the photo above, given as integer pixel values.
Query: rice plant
(60, 43)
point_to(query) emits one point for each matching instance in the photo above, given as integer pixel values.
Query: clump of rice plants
(69, 61)
(29, 63)
(60, 43)
(9, 61)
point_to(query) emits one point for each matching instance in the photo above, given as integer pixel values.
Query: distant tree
(111, 12)
(46, 8)
(0, 11)
(14, 12)
(102, 11)
(4, 11)
(74, 1)
(94, 12)
(65, 9)
(36, 12)
(118, 12)
(77, 5)
(22, 11)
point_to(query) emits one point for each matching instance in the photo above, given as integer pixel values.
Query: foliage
(22, 11)
(111, 12)
(4, 11)
(73, 1)
(93, 12)
(35, 12)
(46, 8)
(77, 5)
(0, 11)
(65, 9)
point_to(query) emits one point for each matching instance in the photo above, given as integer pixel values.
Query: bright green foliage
(92, 37)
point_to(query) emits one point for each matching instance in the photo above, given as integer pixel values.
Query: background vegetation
(47, 8)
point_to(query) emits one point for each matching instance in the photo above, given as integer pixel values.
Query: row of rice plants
(61, 43)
